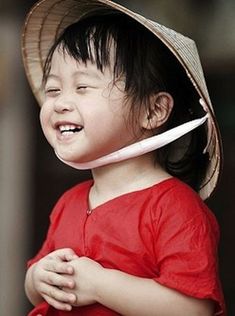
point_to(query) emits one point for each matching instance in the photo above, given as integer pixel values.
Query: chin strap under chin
(140, 148)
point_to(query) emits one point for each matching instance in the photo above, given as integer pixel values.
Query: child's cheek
(45, 122)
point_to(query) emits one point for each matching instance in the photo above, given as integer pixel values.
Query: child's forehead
(63, 63)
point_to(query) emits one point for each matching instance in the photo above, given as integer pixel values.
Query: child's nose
(63, 103)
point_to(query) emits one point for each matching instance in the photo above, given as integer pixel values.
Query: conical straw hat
(48, 18)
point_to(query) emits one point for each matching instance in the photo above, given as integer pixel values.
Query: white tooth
(68, 133)
(68, 128)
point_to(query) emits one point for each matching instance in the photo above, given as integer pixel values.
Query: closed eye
(52, 92)
(83, 87)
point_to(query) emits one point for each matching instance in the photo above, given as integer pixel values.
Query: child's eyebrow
(88, 73)
(52, 76)
(79, 73)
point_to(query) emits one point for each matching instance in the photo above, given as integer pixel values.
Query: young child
(126, 97)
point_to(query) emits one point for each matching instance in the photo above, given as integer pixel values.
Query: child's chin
(71, 158)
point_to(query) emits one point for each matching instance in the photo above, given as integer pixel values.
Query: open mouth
(69, 129)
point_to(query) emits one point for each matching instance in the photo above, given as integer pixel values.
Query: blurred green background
(31, 178)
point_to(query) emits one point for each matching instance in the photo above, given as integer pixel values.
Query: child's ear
(161, 107)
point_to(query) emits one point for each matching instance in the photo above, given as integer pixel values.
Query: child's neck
(127, 176)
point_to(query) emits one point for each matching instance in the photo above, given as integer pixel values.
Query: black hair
(148, 67)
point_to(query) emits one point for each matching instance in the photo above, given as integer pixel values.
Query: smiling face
(84, 115)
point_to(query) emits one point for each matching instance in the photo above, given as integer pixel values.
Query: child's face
(84, 115)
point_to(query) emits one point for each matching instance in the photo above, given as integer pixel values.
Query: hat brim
(48, 18)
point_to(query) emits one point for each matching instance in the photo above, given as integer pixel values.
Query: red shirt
(164, 232)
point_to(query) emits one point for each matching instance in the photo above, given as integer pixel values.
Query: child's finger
(57, 280)
(59, 267)
(58, 294)
(70, 257)
(61, 254)
(57, 304)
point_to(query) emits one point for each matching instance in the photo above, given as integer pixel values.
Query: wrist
(99, 282)
(106, 284)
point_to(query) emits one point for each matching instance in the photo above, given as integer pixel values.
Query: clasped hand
(64, 280)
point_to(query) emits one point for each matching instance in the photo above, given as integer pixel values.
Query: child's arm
(47, 276)
(130, 295)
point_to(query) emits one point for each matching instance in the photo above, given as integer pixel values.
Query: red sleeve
(48, 245)
(186, 247)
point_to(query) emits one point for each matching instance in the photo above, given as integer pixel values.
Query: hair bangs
(91, 39)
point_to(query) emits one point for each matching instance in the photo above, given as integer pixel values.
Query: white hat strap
(140, 148)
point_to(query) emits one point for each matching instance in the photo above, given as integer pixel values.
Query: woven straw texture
(48, 18)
